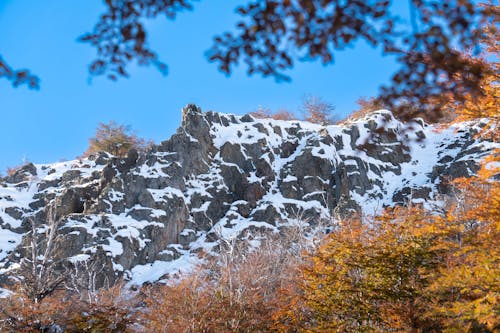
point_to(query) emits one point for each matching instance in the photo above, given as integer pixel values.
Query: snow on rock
(225, 176)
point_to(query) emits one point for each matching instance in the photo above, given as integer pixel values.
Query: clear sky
(55, 122)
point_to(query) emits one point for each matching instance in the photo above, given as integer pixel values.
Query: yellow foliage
(467, 288)
(371, 278)
(411, 270)
(487, 103)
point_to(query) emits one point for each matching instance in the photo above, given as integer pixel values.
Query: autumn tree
(281, 114)
(487, 103)
(110, 311)
(19, 169)
(221, 296)
(240, 290)
(261, 113)
(408, 270)
(372, 277)
(466, 291)
(65, 311)
(115, 139)
(365, 105)
(19, 314)
(317, 111)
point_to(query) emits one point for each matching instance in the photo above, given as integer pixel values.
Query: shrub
(317, 111)
(281, 114)
(115, 139)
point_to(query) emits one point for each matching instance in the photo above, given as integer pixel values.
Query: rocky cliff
(222, 175)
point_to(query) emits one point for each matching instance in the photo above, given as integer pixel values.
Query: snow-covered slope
(225, 176)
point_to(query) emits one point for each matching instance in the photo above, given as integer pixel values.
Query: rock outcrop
(220, 175)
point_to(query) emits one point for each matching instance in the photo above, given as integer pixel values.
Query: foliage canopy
(273, 35)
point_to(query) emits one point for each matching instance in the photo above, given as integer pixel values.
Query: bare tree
(318, 111)
(39, 268)
(254, 274)
(83, 278)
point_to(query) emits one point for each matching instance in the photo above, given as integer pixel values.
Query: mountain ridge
(224, 176)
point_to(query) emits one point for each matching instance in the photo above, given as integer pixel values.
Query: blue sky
(56, 122)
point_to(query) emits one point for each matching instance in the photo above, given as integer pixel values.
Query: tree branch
(18, 77)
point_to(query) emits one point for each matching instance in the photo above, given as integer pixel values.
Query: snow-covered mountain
(225, 176)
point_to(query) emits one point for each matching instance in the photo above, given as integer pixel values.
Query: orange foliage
(110, 313)
(365, 106)
(282, 114)
(486, 103)
(115, 139)
(19, 314)
(467, 288)
(238, 292)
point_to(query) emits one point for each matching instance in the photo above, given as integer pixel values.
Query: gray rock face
(22, 174)
(219, 175)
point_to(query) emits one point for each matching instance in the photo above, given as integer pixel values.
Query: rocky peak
(222, 175)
